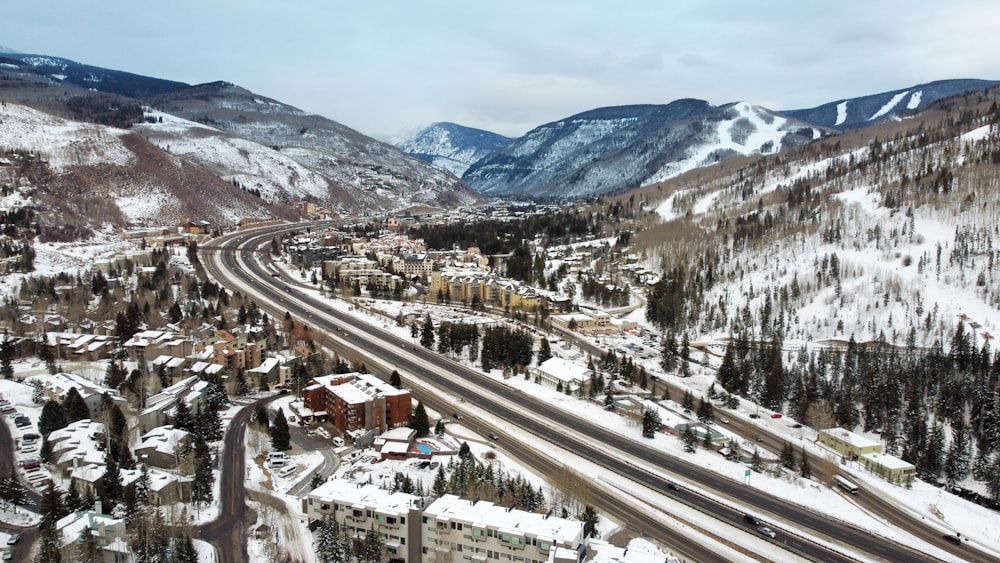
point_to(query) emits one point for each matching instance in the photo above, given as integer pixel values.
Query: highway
(241, 271)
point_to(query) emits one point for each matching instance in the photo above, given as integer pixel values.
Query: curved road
(599, 445)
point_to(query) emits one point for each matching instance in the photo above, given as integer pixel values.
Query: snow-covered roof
(163, 439)
(266, 366)
(401, 434)
(564, 370)
(72, 526)
(91, 473)
(487, 514)
(887, 461)
(385, 502)
(852, 438)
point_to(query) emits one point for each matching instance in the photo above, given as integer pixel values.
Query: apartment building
(357, 401)
(395, 516)
(455, 529)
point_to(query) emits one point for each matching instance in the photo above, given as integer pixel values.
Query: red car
(776, 415)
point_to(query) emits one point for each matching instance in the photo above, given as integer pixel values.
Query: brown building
(357, 401)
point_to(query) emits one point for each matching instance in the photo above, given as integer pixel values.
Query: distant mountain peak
(450, 146)
(9, 51)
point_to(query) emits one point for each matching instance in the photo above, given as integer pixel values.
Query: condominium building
(455, 529)
(360, 508)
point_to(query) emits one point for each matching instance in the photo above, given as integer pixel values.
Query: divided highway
(239, 269)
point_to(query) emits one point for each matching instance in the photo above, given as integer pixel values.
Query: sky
(387, 68)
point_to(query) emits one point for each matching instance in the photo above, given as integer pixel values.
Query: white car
(766, 531)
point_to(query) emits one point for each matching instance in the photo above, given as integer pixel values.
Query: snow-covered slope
(612, 149)
(862, 111)
(363, 174)
(450, 146)
(87, 165)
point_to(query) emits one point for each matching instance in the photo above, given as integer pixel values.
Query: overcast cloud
(386, 67)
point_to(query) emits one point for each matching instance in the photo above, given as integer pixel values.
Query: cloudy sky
(389, 67)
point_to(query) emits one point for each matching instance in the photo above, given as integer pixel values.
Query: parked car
(29, 464)
(14, 538)
(754, 415)
(767, 531)
(7, 555)
(796, 425)
(776, 415)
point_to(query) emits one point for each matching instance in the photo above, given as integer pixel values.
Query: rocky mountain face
(452, 147)
(611, 149)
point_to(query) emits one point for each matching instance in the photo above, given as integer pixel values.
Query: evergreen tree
(260, 418)
(805, 468)
(427, 333)
(544, 350)
(45, 454)
(650, 423)
(7, 356)
(934, 454)
(183, 419)
(687, 403)
(756, 462)
(204, 478)
(419, 420)
(73, 501)
(52, 506)
(12, 492)
(280, 436)
(125, 458)
(74, 407)
(590, 519)
(440, 482)
(705, 410)
(49, 544)
(53, 417)
(957, 462)
(396, 380)
(372, 547)
(788, 456)
(690, 439)
(112, 482)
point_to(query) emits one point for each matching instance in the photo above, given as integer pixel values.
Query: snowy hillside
(450, 146)
(613, 149)
(363, 174)
(87, 164)
(845, 240)
(862, 111)
(277, 177)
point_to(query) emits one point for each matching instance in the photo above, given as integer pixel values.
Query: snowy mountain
(611, 149)
(60, 70)
(261, 145)
(866, 110)
(342, 168)
(450, 146)
(87, 177)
